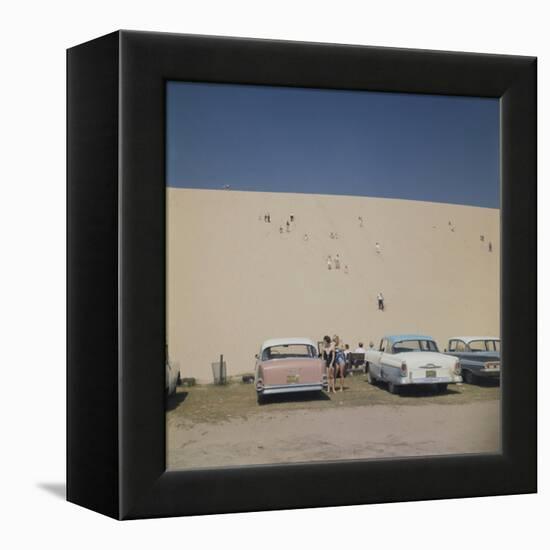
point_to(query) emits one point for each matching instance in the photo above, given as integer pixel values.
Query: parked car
(172, 377)
(479, 356)
(286, 365)
(411, 359)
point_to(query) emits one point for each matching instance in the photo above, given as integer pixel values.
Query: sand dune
(235, 280)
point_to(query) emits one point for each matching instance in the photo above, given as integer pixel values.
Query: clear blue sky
(263, 138)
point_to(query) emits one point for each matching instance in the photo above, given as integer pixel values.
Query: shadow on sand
(486, 382)
(175, 400)
(423, 391)
(298, 397)
(418, 390)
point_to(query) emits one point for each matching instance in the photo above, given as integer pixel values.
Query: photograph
(332, 275)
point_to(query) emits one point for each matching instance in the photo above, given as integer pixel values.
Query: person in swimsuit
(340, 360)
(329, 355)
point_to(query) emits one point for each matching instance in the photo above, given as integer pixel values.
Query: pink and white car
(286, 365)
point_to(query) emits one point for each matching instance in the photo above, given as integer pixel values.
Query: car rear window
(288, 351)
(479, 345)
(414, 345)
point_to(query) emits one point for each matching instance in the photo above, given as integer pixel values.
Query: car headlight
(457, 369)
(403, 369)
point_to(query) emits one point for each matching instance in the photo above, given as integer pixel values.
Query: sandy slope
(234, 280)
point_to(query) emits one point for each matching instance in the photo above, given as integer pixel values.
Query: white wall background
(33, 38)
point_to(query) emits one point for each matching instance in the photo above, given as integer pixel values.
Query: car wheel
(392, 388)
(468, 377)
(261, 399)
(370, 378)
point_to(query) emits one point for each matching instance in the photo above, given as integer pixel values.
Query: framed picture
(299, 275)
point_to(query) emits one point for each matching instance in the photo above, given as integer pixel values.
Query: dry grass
(209, 403)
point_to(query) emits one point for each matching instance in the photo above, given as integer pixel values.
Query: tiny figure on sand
(360, 221)
(288, 227)
(337, 262)
(380, 299)
(490, 246)
(346, 269)
(329, 262)
(291, 217)
(281, 230)
(377, 246)
(482, 238)
(306, 237)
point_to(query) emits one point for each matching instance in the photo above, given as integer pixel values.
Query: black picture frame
(116, 274)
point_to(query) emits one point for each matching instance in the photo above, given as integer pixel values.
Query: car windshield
(287, 351)
(484, 345)
(414, 345)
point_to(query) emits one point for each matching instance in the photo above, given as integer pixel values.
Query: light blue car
(411, 359)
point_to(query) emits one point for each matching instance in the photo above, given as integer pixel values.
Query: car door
(379, 355)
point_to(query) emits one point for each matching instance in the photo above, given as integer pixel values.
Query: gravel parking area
(212, 426)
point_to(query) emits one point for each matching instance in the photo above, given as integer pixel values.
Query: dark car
(479, 356)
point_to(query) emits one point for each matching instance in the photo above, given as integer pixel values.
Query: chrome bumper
(429, 380)
(291, 388)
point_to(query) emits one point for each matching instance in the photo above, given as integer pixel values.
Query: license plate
(292, 379)
(431, 374)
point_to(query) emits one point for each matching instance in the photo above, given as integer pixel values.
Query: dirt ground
(213, 426)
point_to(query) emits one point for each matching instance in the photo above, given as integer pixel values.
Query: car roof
(399, 337)
(286, 341)
(468, 339)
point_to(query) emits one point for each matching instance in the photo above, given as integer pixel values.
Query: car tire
(468, 377)
(261, 399)
(392, 388)
(370, 378)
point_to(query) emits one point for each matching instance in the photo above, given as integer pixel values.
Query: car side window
(478, 345)
(383, 345)
(452, 345)
(460, 346)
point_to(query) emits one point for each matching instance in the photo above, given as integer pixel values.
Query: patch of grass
(213, 404)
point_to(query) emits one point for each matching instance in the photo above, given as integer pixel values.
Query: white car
(410, 359)
(172, 377)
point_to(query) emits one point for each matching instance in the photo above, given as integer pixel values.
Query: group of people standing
(334, 353)
(334, 356)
